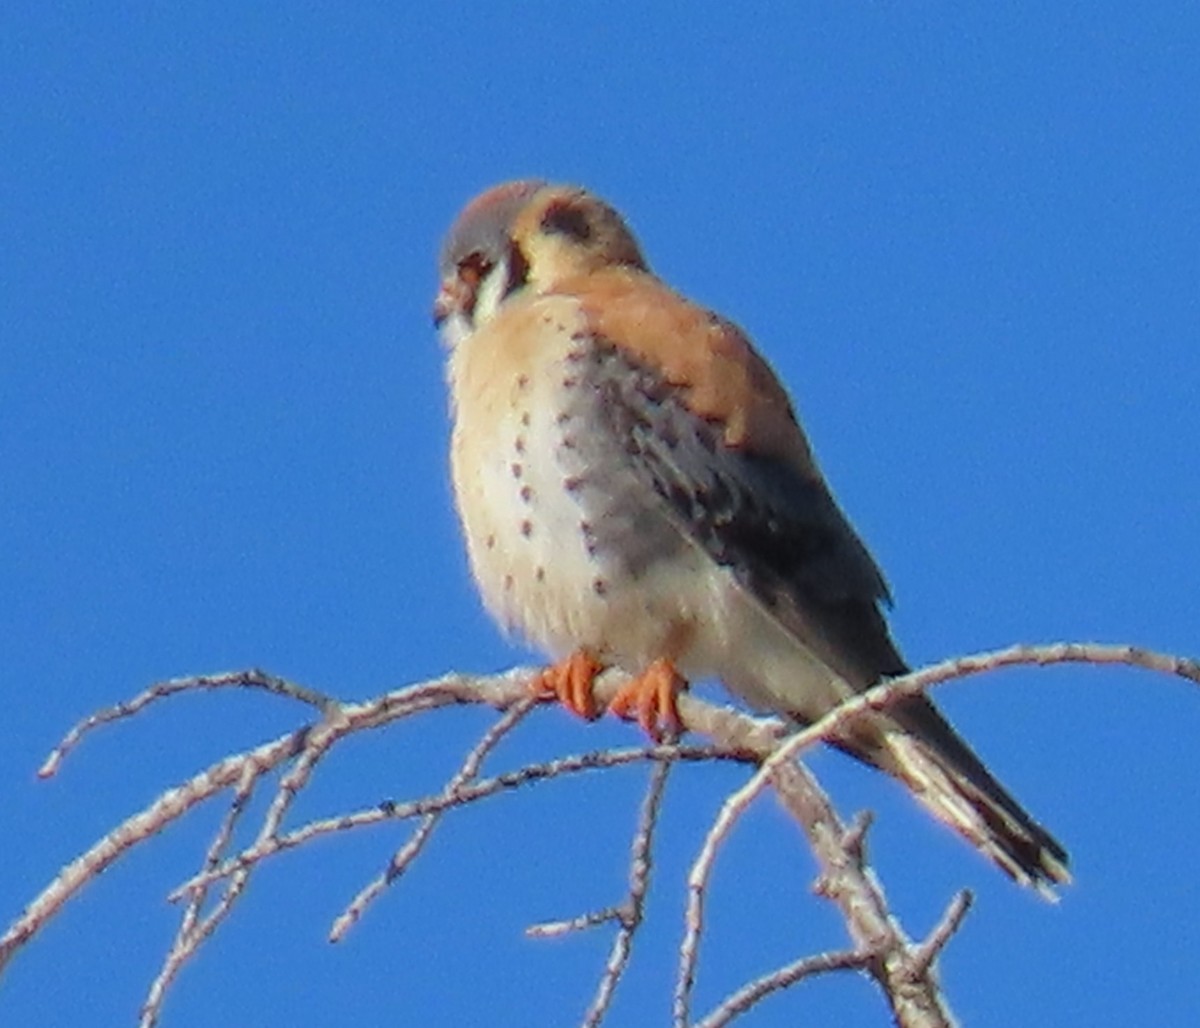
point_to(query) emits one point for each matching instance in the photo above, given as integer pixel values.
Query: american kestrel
(635, 491)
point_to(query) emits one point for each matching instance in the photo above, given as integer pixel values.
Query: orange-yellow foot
(649, 699)
(571, 682)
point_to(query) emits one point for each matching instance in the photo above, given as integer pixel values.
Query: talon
(570, 682)
(650, 699)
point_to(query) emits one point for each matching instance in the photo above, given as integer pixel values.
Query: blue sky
(967, 236)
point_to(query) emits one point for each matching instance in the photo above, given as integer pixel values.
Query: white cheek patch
(491, 294)
(455, 329)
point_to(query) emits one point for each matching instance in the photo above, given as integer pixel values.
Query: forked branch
(904, 969)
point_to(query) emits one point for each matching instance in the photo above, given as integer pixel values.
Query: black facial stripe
(567, 220)
(518, 270)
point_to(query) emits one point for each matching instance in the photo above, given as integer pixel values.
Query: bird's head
(519, 236)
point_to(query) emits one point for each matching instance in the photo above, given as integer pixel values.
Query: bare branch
(806, 967)
(465, 795)
(915, 998)
(579, 923)
(631, 912)
(904, 970)
(416, 842)
(927, 952)
(137, 828)
(252, 679)
(192, 931)
(814, 811)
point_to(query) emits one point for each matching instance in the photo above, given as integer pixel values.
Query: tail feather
(800, 673)
(953, 784)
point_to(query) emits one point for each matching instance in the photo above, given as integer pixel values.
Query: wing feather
(771, 521)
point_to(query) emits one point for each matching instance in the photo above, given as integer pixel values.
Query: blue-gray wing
(773, 524)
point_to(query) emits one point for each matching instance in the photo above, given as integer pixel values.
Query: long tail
(952, 782)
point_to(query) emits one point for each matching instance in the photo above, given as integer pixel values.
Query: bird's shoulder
(707, 358)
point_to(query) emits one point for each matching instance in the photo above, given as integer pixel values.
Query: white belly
(567, 547)
(572, 549)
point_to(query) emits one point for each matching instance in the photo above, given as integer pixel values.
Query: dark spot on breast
(573, 483)
(540, 574)
(490, 542)
(526, 493)
(569, 381)
(599, 586)
(508, 583)
(589, 537)
(526, 528)
(519, 444)
(522, 381)
(525, 419)
(517, 469)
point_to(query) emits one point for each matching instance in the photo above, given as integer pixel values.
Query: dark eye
(564, 219)
(473, 268)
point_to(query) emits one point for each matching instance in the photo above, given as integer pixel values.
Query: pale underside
(571, 549)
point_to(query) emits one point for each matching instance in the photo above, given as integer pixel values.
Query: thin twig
(191, 931)
(416, 843)
(806, 967)
(466, 794)
(633, 909)
(579, 923)
(874, 699)
(137, 828)
(904, 970)
(845, 879)
(251, 679)
(928, 951)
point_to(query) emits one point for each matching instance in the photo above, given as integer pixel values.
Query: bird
(636, 491)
